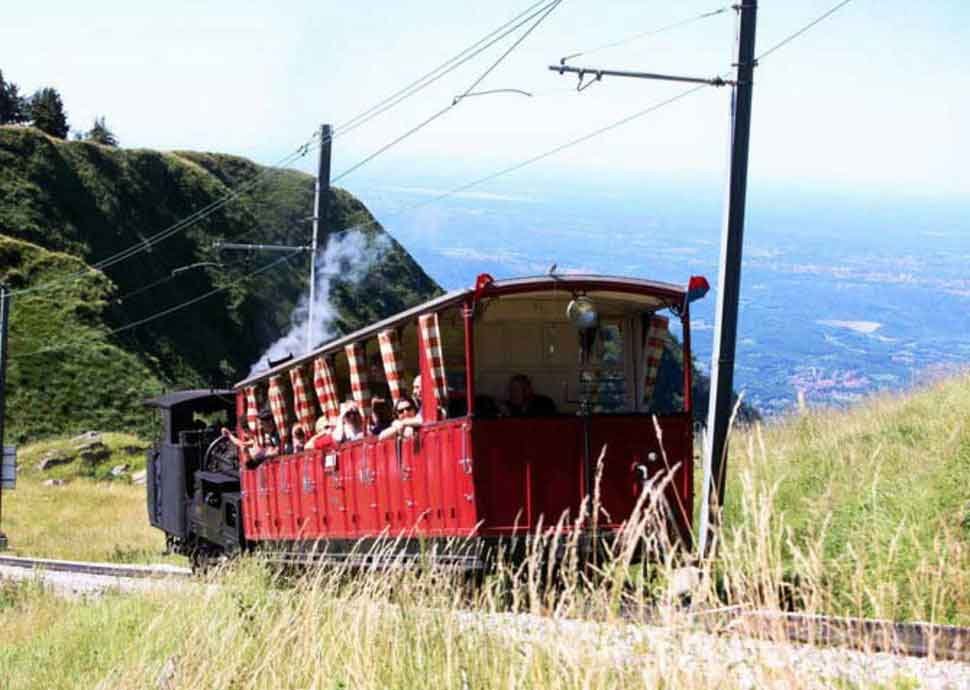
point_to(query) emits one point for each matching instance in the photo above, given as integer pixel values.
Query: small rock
(86, 438)
(94, 452)
(119, 470)
(54, 482)
(139, 477)
(683, 581)
(166, 676)
(53, 459)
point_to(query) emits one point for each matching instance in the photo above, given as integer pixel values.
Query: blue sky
(872, 100)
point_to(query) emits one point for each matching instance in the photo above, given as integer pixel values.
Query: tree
(100, 134)
(47, 112)
(12, 105)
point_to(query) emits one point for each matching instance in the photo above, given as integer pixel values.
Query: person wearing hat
(350, 426)
(322, 438)
(265, 443)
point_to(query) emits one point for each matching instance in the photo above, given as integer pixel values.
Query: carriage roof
(662, 294)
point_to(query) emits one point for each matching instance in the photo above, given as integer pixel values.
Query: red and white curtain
(357, 359)
(252, 409)
(653, 350)
(277, 404)
(431, 341)
(302, 402)
(325, 389)
(393, 362)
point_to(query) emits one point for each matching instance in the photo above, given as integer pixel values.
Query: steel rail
(866, 635)
(942, 642)
(103, 569)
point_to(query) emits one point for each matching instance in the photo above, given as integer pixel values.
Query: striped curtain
(357, 359)
(325, 389)
(302, 402)
(252, 409)
(277, 403)
(653, 350)
(393, 363)
(431, 340)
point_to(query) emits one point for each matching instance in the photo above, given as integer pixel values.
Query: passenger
(299, 438)
(323, 438)
(380, 416)
(350, 427)
(265, 443)
(486, 407)
(407, 419)
(416, 393)
(524, 402)
(376, 378)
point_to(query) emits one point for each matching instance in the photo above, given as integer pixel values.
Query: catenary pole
(721, 403)
(4, 324)
(321, 198)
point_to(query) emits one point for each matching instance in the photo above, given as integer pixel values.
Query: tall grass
(535, 622)
(868, 509)
(833, 512)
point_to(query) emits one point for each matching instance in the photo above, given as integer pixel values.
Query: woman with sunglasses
(406, 419)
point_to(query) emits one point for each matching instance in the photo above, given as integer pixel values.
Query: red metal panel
(366, 480)
(288, 524)
(384, 463)
(264, 515)
(408, 489)
(350, 461)
(465, 462)
(527, 468)
(321, 478)
(434, 460)
(248, 487)
(305, 489)
(399, 487)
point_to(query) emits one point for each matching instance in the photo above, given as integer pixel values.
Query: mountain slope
(66, 205)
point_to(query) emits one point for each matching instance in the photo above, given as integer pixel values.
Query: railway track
(103, 569)
(942, 642)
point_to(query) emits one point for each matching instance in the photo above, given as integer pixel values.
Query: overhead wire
(414, 87)
(464, 187)
(542, 14)
(160, 314)
(178, 226)
(445, 68)
(791, 37)
(646, 34)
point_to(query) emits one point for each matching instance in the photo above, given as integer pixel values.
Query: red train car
(521, 384)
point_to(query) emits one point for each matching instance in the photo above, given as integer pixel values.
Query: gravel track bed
(661, 652)
(75, 585)
(724, 660)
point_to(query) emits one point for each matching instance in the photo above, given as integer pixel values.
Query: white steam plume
(348, 257)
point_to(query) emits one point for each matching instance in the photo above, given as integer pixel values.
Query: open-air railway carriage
(590, 348)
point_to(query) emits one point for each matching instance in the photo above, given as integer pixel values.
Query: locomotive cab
(192, 476)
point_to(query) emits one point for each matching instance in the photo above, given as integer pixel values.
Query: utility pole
(721, 401)
(321, 208)
(4, 325)
(729, 281)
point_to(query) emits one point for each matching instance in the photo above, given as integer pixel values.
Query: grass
(65, 205)
(872, 504)
(859, 512)
(91, 517)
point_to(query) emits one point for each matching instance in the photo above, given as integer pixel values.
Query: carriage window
(664, 394)
(602, 380)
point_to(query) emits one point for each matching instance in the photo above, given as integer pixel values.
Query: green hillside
(67, 205)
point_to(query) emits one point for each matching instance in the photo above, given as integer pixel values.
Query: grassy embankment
(867, 506)
(90, 517)
(66, 206)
